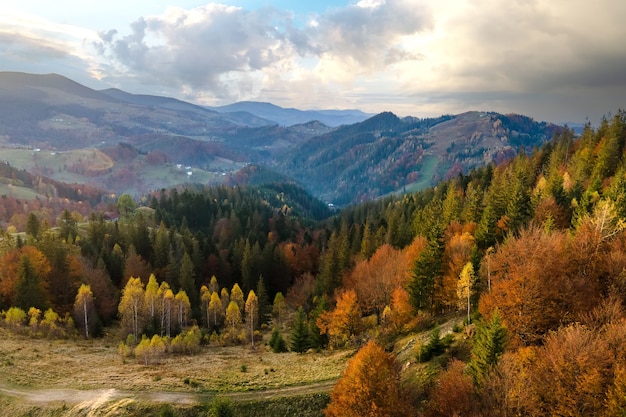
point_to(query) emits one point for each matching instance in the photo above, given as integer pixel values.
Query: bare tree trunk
(86, 322)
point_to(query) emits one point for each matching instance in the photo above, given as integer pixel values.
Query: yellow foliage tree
(131, 306)
(252, 313)
(344, 321)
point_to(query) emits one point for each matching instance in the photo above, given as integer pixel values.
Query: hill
(386, 154)
(343, 157)
(58, 116)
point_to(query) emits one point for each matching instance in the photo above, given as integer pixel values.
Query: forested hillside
(528, 255)
(386, 154)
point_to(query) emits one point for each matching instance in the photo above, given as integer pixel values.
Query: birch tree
(131, 306)
(252, 313)
(84, 309)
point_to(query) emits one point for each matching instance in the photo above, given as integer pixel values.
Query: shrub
(277, 343)
(221, 407)
(435, 346)
(15, 318)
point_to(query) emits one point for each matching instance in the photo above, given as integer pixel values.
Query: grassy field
(426, 173)
(21, 193)
(140, 178)
(56, 375)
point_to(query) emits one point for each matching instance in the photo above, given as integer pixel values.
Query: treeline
(238, 234)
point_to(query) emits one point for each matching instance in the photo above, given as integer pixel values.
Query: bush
(435, 346)
(221, 407)
(277, 343)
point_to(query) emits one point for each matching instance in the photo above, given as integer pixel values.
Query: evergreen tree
(265, 309)
(277, 343)
(367, 242)
(317, 340)
(161, 249)
(300, 333)
(427, 271)
(67, 227)
(33, 225)
(187, 282)
(29, 291)
(489, 344)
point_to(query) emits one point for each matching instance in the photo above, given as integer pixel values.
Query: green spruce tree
(489, 344)
(300, 333)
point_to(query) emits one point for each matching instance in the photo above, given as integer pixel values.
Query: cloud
(557, 60)
(203, 48)
(368, 36)
(32, 44)
(534, 56)
(227, 50)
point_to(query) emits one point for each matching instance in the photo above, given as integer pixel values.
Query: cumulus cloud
(370, 33)
(203, 48)
(223, 48)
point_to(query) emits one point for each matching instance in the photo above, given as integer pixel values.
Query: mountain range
(128, 143)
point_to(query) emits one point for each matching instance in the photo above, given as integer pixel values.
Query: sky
(554, 60)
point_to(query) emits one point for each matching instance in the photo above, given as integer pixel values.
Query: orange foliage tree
(453, 393)
(530, 285)
(370, 386)
(457, 253)
(578, 371)
(344, 321)
(375, 279)
(9, 271)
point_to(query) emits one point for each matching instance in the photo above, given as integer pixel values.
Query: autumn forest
(516, 274)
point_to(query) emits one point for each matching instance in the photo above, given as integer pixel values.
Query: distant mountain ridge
(290, 116)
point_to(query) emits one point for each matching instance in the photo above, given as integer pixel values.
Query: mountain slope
(386, 154)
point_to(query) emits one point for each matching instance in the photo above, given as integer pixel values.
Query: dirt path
(96, 399)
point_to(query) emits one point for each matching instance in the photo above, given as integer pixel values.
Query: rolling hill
(341, 156)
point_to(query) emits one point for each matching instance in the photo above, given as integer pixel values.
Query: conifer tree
(368, 246)
(277, 343)
(264, 303)
(300, 333)
(489, 344)
(187, 282)
(29, 290)
(426, 272)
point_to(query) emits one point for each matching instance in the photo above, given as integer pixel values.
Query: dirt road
(98, 398)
